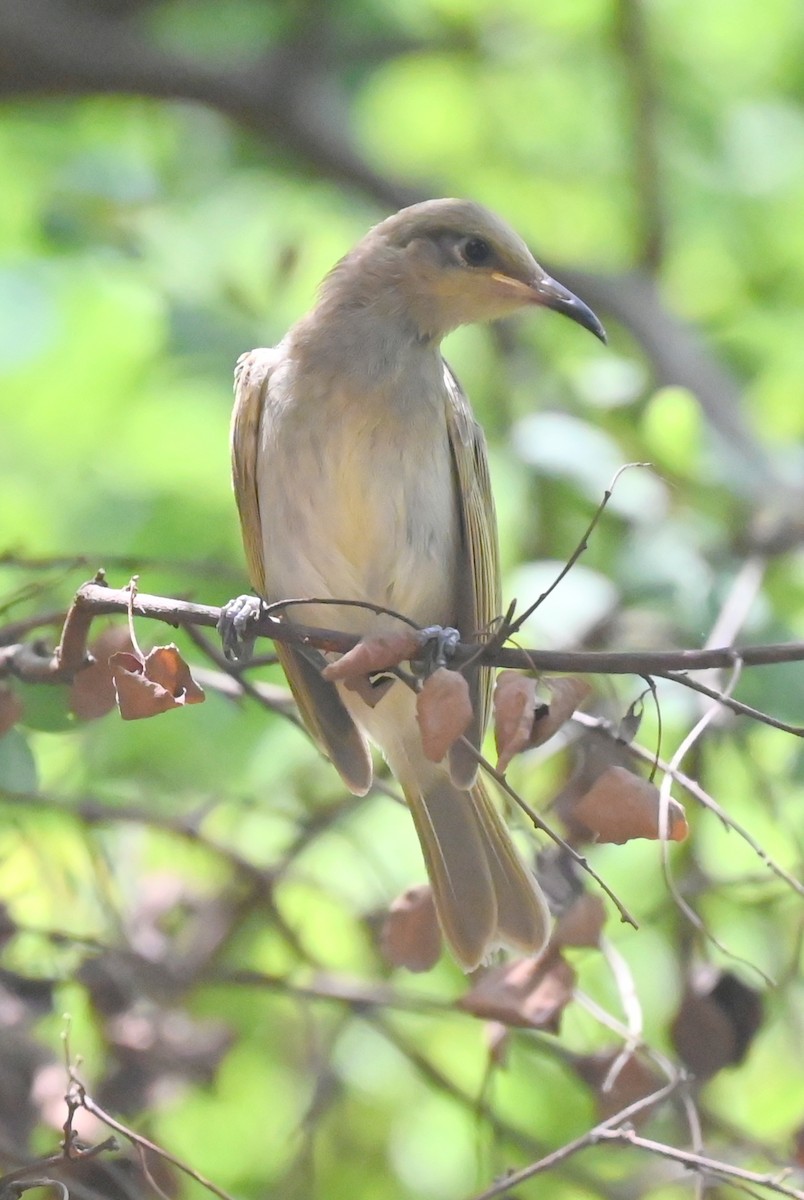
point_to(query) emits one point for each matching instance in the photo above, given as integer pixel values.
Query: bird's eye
(475, 251)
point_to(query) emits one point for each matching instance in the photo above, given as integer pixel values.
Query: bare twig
(541, 824)
(617, 1129)
(84, 1100)
(95, 599)
(709, 1166)
(515, 625)
(664, 807)
(591, 1138)
(16, 1182)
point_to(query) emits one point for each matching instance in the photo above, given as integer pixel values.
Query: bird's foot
(235, 626)
(438, 647)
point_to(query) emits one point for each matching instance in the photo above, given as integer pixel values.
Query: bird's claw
(438, 646)
(235, 624)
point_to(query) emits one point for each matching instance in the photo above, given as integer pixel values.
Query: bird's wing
(252, 373)
(319, 704)
(479, 591)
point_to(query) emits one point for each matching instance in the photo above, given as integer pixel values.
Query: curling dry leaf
(522, 720)
(515, 704)
(374, 654)
(582, 923)
(160, 681)
(370, 689)
(92, 693)
(716, 1022)
(629, 725)
(410, 935)
(443, 710)
(529, 992)
(621, 806)
(567, 692)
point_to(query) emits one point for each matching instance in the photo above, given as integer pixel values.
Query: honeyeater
(360, 474)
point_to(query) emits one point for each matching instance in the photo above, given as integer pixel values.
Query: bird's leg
(235, 626)
(438, 647)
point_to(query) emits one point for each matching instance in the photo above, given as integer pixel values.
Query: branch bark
(95, 599)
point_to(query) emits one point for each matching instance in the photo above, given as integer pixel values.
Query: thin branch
(616, 1129)
(515, 625)
(16, 1182)
(664, 808)
(95, 599)
(640, 74)
(84, 1100)
(542, 825)
(737, 706)
(590, 1138)
(709, 1166)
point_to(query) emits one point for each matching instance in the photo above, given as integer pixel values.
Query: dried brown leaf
(146, 687)
(567, 692)
(92, 692)
(165, 666)
(621, 806)
(582, 923)
(443, 710)
(515, 704)
(527, 992)
(372, 654)
(522, 720)
(629, 725)
(411, 935)
(715, 1024)
(370, 691)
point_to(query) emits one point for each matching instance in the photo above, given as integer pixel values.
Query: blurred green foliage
(144, 244)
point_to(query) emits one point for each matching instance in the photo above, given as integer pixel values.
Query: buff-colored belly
(360, 505)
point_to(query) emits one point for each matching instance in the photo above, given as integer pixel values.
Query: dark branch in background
(681, 358)
(28, 663)
(632, 36)
(292, 101)
(57, 48)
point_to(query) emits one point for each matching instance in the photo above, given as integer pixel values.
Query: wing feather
(319, 704)
(252, 373)
(479, 589)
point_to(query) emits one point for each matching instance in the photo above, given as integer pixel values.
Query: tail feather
(484, 895)
(523, 918)
(456, 858)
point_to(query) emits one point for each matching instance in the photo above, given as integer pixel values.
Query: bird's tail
(484, 895)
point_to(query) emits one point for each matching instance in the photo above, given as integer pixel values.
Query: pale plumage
(361, 474)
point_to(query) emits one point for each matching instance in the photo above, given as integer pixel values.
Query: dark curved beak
(553, 294)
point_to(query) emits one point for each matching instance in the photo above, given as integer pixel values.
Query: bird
(360, 474)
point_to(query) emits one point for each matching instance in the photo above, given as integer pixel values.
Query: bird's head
(446, 263)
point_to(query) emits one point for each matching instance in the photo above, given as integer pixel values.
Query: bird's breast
(357, 501)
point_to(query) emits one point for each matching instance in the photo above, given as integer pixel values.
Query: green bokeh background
(144, 244)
